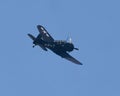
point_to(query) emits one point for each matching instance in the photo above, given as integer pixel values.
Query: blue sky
(94, 26)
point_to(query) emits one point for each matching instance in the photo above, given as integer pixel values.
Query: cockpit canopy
(68, 46)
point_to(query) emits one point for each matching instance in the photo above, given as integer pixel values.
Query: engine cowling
(69, 47)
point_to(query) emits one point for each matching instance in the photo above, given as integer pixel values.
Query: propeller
(69, 39)
(76, 48)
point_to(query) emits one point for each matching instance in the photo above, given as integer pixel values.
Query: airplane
(59, 47)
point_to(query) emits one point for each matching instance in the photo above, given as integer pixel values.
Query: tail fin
(31, 36)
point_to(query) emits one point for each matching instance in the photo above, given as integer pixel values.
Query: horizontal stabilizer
(31, 36)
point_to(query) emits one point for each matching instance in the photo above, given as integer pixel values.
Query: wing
(44, 34)
(70, 58)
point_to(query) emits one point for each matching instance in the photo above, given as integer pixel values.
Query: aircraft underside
(60, 47)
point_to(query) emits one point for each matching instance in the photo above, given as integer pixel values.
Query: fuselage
(56, 45)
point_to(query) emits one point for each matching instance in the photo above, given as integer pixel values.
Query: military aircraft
(60, 47)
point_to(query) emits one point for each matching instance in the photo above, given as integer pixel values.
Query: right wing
(70, 58)
(44, 34)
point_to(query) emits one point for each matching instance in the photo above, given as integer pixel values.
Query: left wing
(70, 58)
(44, 34)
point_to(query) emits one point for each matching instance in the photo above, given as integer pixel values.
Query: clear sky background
(94, 26)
